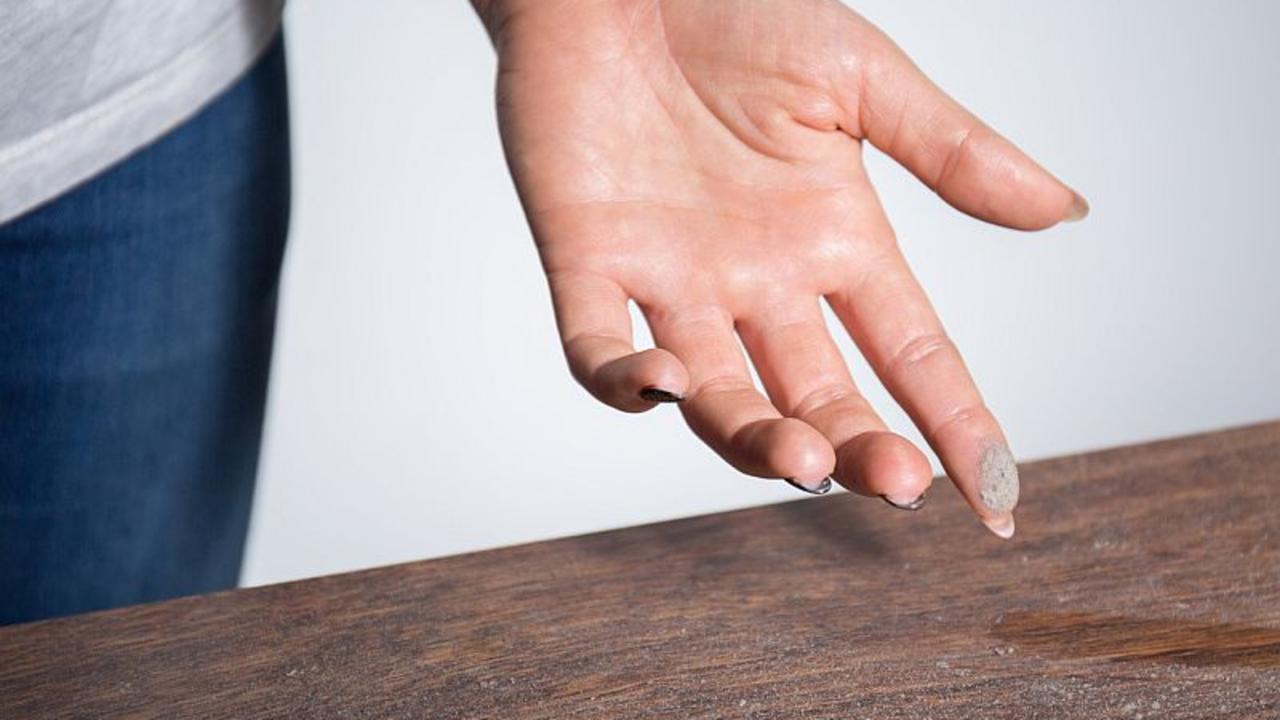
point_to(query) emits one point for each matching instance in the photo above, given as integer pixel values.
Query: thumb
(971, 166)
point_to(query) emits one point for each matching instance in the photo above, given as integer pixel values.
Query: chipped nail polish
(1079, 209)
(659, 395)
(912, 505)
(822, 488)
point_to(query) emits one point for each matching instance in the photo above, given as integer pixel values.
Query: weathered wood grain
(1144, 582)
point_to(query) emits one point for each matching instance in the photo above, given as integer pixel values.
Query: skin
(704, 160)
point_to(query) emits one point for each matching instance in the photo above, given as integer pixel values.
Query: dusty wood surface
(1144, 583)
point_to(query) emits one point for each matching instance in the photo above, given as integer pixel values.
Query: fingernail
(998, 479)
(1002, 526)
(1079, 209)
(822, 488)
(901, 504)
(659, 395)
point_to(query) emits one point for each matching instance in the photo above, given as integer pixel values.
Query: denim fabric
(136, 322)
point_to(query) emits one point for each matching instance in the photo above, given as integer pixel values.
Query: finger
(725, 410)
(807, 378)
(971, 166)
(890, 318)
(591, 312)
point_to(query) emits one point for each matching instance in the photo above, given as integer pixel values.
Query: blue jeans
(136, 322)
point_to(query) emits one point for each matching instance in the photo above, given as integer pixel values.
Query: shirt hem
(109, 131)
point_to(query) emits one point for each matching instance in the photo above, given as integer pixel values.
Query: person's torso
(85, 82)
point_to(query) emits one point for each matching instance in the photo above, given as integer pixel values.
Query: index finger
(891, 320)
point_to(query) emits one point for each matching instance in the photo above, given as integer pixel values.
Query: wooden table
(1144, 583)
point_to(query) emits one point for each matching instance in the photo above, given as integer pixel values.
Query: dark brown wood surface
(1144, 583)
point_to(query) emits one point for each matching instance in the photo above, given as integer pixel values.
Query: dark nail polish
(823, 487)
(659, 395)
(913, 505)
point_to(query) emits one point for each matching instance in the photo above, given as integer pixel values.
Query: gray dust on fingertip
(998, 485)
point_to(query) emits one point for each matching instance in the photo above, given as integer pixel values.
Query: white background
(420, 405)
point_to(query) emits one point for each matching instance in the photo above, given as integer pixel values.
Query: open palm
(703, 159)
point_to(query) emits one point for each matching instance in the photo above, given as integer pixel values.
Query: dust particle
(999, 478)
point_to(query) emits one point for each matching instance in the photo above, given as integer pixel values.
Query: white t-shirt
(83, 83)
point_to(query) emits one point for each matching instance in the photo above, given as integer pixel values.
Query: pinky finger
(595, 327)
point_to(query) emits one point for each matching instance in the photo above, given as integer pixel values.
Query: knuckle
(721, 385)
(918, 351)
(953, 155)
(829, 396)
(956, 417)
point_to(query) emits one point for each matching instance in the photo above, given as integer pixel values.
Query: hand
(704, 160)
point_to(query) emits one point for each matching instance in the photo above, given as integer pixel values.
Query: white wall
(420, 404)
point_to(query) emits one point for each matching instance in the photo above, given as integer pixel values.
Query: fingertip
(979, 461)
(1060, 204)
(881, 463)
(661, 370)
(639, 381)
(995, 181)
(1001, 526)
(793, 449)
(1077, 210)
